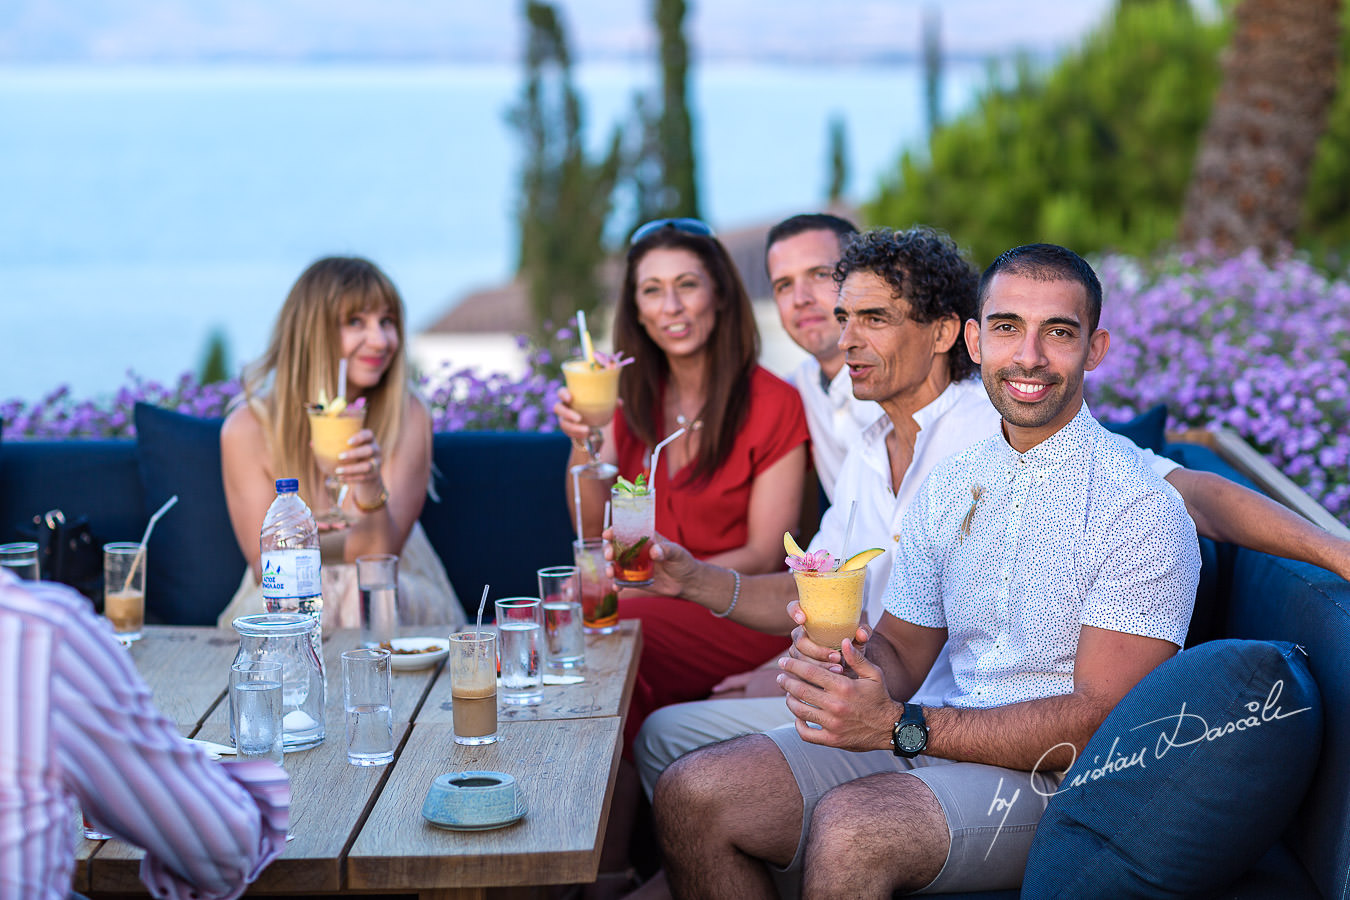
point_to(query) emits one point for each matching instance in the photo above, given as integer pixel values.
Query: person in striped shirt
(77, 726)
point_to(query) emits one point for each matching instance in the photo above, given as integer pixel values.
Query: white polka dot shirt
(1013, 552)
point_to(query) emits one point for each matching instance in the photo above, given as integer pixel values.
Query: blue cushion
(1148, 429)
(92, 478)
(194, 563)
(1155, 808)
(503, 511)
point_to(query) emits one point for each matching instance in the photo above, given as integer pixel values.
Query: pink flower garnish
(358, 403)
(613, 360)
(820, 561)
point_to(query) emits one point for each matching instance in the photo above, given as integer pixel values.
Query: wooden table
(361, 830)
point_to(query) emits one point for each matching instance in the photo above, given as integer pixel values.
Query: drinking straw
(587, 348)
(342, 380)
(651, 481)
(481, 603)
(576, 495)
(848, 529)
(605, 524)
(140, 551)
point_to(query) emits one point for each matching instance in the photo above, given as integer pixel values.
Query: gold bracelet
(377, 505)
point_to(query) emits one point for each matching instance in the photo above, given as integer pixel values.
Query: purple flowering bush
(1263, 349)
(61, 416)
(460, 400)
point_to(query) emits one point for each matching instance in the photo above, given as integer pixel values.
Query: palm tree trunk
(1279, 78)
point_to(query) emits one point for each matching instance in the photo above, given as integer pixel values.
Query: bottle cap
(288, 485)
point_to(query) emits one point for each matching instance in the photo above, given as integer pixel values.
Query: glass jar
(285, 638)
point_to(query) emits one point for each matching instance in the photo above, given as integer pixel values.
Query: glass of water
(367, 695)
(21, 558)
(518, 625)
(377, 578)
(565, 641)
(255, 709)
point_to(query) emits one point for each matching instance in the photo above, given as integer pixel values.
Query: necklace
(682, 422)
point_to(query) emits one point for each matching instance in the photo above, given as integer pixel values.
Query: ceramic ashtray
(473, 801)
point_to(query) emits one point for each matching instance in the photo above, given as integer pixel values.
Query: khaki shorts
(991, 812)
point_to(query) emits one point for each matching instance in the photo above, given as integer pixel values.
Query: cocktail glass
(329, 433)
(832, 603)
(599, 597)
(595, 393)
(634, 526)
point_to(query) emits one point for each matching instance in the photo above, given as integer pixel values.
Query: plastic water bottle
(289, 542)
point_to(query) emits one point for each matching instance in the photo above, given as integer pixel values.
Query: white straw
(140, 551)
(342, 379)
(651, 481)
(605, 525)
(576, 495)
(848, 529)
(587, 347)
(481, 603)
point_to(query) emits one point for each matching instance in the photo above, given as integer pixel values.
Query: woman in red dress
(726, 489)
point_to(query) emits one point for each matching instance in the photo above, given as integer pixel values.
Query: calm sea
(143, 208)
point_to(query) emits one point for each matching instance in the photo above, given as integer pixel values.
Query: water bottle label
(290, 574)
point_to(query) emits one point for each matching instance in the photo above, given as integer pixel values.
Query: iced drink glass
(123, 601)
(634, 525)
(832, 603)
(564, 639)
(599, 597)
(473, 686)
(329, 433)
(595, 393)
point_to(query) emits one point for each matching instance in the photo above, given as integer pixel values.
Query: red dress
(686, 650)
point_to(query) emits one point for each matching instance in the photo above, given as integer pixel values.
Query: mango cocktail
(594, 388)
(331, 426)
(830, 597)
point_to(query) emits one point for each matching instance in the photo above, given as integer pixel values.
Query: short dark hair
(925, 268)
(1046, 262)
(795, 225)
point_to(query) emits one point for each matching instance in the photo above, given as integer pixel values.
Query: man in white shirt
(800, 255)
(1057, 567)
(882, 481)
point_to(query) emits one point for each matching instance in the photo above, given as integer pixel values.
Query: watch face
(910, 737)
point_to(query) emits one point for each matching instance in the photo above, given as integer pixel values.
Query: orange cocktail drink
(330, 431)
(594, 388)
(832, 603)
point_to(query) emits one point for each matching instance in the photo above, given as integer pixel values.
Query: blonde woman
(340, 308)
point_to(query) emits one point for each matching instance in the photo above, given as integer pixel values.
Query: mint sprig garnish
(635, 488)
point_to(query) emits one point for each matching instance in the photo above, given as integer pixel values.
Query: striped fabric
(77, 726)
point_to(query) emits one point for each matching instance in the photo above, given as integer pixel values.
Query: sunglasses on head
(688, 226)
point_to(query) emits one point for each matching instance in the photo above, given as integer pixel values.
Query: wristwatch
(909, 736)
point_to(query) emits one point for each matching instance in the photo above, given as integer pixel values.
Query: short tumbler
(255, 709)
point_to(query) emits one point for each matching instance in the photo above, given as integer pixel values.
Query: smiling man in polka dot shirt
(1056, 567)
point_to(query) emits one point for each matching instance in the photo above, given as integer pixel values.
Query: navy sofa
(502, 515)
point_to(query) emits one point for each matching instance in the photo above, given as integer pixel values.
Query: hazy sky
(455, 30)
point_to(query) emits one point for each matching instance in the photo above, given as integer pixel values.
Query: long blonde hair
(302, 359)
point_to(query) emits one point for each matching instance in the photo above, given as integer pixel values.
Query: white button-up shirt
(1013, 552)
(960, 416)
(834, 417)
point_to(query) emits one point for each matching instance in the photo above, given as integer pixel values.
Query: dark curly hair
(925, 268)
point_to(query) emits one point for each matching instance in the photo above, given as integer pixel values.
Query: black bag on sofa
(69, 553)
